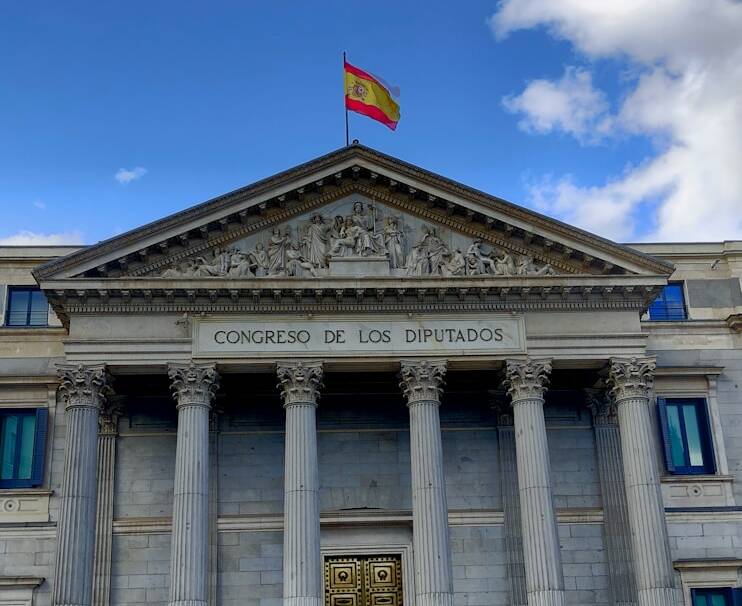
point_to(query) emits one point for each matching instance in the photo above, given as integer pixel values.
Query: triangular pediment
(354, 212)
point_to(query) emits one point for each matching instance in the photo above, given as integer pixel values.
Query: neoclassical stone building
(358, 383)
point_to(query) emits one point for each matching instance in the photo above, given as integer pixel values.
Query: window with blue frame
(686, 435)
(670, 305)
(22, 447)
(26, 307)
(722, 596)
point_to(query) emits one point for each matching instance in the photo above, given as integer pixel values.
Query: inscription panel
(360, 336)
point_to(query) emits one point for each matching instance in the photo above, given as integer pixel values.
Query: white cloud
(30, 238)
(127, 175)
(39, 204)
(570, 104)
(685, 95)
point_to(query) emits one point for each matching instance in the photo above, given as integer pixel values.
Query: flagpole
(347, 139)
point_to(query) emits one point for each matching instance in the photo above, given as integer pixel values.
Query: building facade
(358, 383)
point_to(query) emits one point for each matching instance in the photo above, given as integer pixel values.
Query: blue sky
(196, 99)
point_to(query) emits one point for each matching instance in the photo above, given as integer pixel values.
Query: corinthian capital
(299, 382)
(526, 379)
(422, 380)
(631, 378)
(110, 413)
(602, 407)
(84, 386)
(193, 384)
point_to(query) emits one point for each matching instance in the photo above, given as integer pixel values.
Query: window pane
(673, 293)
(670, 305)
(693, 435)
(39, 309)
(676, 436)
(18, 307)
(718, 599)
(8, 439)
(28, 430)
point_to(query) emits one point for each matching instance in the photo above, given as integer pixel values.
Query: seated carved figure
(345, 245)
(505, 265)
(478, 263)
(455, 264)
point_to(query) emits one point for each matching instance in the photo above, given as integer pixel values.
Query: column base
(546, 598)
(659, 596)
(434, 599)
(302, 601)
(187, 603)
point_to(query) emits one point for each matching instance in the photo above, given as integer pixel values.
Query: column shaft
(302, 558)
(84, 389)
(526, 382)
(616, 527)
(194, 387)
(631, 382)
(107, 434)
(421, 383)
(511, 507)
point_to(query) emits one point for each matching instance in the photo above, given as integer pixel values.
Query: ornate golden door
(363, 581)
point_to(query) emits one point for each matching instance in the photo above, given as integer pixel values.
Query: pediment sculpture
(368, 239)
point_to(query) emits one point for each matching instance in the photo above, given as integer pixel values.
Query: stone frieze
(357, 237)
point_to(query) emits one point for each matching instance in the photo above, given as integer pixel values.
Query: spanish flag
(365, 94)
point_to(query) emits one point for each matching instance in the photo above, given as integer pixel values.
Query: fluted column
(421, 383)
(84, 390)
(613, 494)
(194, 387)
(107, 433)
(511, 506)
(299, 383)
(526, 382)
(630, 382)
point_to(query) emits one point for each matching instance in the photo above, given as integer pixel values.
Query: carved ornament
(110, 413)
(422, 380)
(84, 386)
(601, 406)
(526, 379)
(631, 378)
(299, 382)
(193, 384)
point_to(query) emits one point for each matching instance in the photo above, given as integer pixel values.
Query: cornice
(461, 293)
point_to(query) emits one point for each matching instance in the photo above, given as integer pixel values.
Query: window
(717, 597)
(27, 307)
(686, 434)
(670, 305)
(22, 447)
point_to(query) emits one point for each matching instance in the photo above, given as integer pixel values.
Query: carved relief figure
(239, 265)
(277, 246)
(315, 241)
(455, 265)
(394, 242)
(477, 263)
(345, 244)
(505, 266)
(259, 260)
(527, 267)
(367, 241)
(296, 264)
(435, 249)
(417, 263)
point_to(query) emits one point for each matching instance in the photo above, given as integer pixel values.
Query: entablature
(134, 295)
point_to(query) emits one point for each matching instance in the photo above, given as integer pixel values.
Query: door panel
(363, 581)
